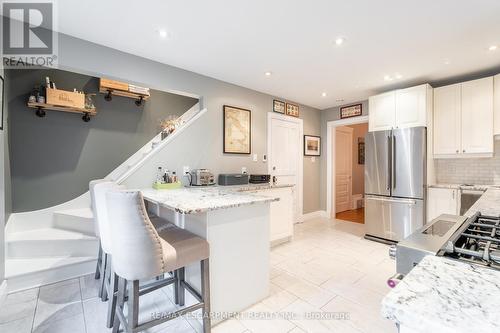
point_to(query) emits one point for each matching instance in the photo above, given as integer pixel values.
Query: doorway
(346, 169)
(284, 140)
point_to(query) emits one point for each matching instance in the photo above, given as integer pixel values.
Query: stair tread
(80, 212)
(18, 267)
(47, 234)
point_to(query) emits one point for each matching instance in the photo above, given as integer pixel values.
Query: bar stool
(140, 252)
(100, 255)
(108, 286)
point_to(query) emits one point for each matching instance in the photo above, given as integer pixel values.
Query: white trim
(3, 291)
(300, 122)
(330, 152)
(313, 215)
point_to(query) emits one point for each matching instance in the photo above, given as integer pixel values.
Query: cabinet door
(411, 107)
(281, 215)
(446, 126)
(382, 112)
(496, 93)
(477, 116)
(441, 201)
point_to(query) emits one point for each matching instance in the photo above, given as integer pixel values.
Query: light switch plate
(243, 169)
(313, 159)
(255, 158)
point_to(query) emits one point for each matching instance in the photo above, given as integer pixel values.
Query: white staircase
(59, 243)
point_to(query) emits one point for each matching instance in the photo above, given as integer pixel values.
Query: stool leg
(102, 289)
(205, 294)
(122, 290)
(181, 290)
(133, 306)
(176, 287)
(113, 287)
(98, 266)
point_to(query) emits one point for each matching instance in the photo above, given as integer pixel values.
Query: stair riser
(52, 248)
(38, 279)
(74, 223)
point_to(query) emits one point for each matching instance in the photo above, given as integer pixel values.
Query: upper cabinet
(401, 108)
(463, 119)
(496, 106)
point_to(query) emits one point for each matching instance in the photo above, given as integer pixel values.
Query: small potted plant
(168, 126)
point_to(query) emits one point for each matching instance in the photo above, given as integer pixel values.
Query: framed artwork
(312, 145)
(279, 106)
(1, 101)
(237, 130)
(361, 150)
(351, 111)
(292, 110)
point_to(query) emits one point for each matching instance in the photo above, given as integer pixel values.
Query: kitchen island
(446, 295)
(236, 225)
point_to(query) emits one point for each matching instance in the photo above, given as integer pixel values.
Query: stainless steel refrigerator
(395, 182)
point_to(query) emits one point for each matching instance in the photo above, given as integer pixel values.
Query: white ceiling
(238, 41)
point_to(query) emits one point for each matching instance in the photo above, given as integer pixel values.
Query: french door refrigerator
(395, 182)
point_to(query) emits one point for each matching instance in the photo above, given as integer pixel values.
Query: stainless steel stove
(476, 241)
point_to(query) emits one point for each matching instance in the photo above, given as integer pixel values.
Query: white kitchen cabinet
(441, 201)
(410, 107)
(496, 106)
(382, 112)
(463, 120)
(477, 116)
(281, 216)
(447, 119)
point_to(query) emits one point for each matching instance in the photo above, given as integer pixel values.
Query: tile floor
(327, 269)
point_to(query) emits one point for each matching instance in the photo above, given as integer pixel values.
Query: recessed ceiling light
(339, 41)
(387, 78)
(493, 47)
(398, 76)
(268, 73)
(323, 94)
(163, 33)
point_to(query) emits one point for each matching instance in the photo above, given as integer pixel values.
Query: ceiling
(238, 41)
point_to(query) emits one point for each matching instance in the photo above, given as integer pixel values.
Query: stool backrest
(101, 211)
(136, 247)
(92, 184)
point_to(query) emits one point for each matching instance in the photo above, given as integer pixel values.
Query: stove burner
(477, 241)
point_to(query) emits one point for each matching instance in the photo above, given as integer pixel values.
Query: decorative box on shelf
(65, 98)
(167, 186)
(112, 87)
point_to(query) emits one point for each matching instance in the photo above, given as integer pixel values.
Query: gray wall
(53, 158)
(204, 147)
(326, 116)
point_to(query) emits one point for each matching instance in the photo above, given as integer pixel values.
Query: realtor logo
(28, 34)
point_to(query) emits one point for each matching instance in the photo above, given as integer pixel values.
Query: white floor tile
(21, 296)
(17, 311)
(73, 324)
(22, 325)
(89, 286)
(256, 319)
(229, 326)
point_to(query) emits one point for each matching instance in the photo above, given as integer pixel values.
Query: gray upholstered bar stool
(141, 252)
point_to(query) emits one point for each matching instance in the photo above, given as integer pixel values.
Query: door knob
(457, 151)
(274, 168)
(463, 151)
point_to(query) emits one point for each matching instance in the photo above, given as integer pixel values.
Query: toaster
(202, 177)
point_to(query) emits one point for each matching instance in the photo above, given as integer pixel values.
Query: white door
(411, 107)
(441, 201)
(447, 117)
(382, 112)
(285, 144)
(343, 168)
(496, 94)
(477, 116)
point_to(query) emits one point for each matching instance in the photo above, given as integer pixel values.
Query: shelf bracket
(140, 101)
(86, 117)
(40, 112)
(109, 96)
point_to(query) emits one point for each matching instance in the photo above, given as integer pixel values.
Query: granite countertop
(198, 200)
(488, 203)
(477, 187)
(446, 296)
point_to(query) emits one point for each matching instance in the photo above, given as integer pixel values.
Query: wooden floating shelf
(46, 106)
(123, 93)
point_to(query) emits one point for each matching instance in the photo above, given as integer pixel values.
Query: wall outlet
(185, 170)
(264, 158)
(244, 170)
(255, 158)
(313, 159)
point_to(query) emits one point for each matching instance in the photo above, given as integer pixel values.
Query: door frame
(351, 133)
(300, 167)
(330, 153)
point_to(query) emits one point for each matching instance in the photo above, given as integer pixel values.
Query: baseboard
(3, 291)
(313, 215)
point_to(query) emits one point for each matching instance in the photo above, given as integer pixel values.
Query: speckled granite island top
(443, 295)
(199, 200)
(488, 203)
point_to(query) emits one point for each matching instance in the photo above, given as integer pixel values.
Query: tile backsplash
(470, 170)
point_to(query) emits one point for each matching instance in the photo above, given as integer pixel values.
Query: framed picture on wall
(361, 150)
(279, 106)
(292, 110)
(312, 145)
(351, 111)
(237, 130)
(1, 101)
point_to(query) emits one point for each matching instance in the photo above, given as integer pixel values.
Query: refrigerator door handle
(393, 162)
(404, 201)
(389, 164)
